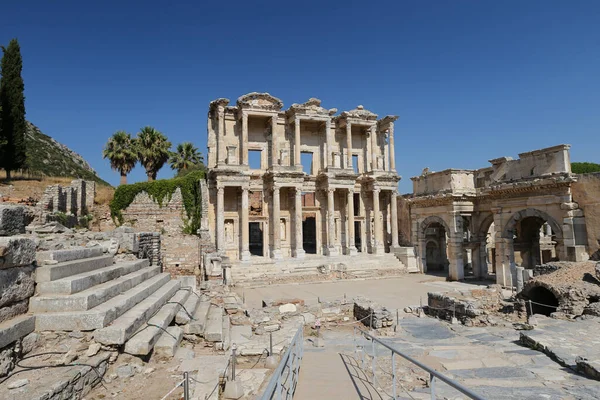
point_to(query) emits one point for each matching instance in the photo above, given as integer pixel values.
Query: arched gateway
(514, 213)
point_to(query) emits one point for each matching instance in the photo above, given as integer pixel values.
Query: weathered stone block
(16, 251)
(13, 310)
(12, 220)
(16, 284)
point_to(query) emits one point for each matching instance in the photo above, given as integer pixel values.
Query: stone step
(142, 342)
(213, 332)
(64, 255)
(102, 315)
(226, 333)
(128, 323)
(186, 313)
(197, 325)
(15, 328)
(49, 273)
(169, 342)
(80, 282)
(90, 298)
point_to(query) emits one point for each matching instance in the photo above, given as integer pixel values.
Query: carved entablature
(359, 113)
(385, 122)
(438, 200)
(215, 104)
(310, 108)
(259, 101)
(525, 191)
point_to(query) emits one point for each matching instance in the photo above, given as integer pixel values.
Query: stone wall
(17, 284)
(586, 193)
(76, 199)
(149, 246)
(178, 251)
(372, 315)
(12, 220)
(464, 305)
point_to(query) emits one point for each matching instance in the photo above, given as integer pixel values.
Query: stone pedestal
(407, 256)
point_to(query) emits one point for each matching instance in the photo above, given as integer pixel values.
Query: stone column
(394, 224)
(276, 223)
(220, 219)
(244, 147)
(221, 150)
(378, 247)
(245, 249)
(331, 249)
(349, 144)
(374, 149)
(328, 150)
(274, 147)
(297, 160)
(392, 150)
(350, 212)
(299, 245)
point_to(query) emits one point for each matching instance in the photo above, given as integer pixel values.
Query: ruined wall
(179, 251)
(76, 199)
(404, 223)
(586, 192)
(17, 284)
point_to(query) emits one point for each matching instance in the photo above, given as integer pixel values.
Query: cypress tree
(12, 101)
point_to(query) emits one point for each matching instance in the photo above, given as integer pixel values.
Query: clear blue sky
(470, 80)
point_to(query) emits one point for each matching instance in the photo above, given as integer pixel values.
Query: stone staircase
(263, 270)
(128, 304)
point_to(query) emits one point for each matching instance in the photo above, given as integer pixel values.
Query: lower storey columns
(276, 225)
(245, 250)
(394, 206)
(298, 250)
(220, 217)
(378, 247)
(331, 248)
(350, 213)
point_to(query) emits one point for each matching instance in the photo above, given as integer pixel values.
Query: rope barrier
(540, 304)
(172, 390)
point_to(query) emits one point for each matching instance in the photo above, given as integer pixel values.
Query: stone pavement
(391, 292)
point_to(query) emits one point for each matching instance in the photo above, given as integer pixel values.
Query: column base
(298, 253)
(352, 251)
(332, 251)
(245, 256)
(276, 254)
(378, 250)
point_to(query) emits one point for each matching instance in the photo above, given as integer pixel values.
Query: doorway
(309, 235)
(256, 244)
(357, 236)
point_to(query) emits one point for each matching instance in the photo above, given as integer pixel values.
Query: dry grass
(104, 194)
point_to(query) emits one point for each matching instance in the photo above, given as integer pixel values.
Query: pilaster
(245, 249)
(220, 219)
(378, 247)
(276, 225)
(298, 251)
(331, 248)
(350, 213)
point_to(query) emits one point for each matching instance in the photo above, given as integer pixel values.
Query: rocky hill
(47, 157)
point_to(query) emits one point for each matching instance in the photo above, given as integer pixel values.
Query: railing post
(432, 386)
(186, 386)
(373, 366)
(394, 375)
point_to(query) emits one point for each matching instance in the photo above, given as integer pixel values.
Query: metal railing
(282, 384)
(433, 374)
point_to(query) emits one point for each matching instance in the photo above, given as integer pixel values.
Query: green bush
(584, 167)
(161, 191)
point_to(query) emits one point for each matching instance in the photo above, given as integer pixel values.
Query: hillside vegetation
(47, 157)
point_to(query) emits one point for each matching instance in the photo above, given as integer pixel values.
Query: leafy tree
(153, 150)
(584, 167)
(187, 156)
(121, 151)
(12, 99)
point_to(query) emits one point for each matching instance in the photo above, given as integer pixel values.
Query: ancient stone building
(487, 221)
(284, 183)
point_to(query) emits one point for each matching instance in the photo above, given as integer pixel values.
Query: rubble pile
(470, 307)
(372, 315)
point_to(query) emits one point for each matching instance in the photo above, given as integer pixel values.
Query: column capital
(298, 192)
(220, 189)
(376, 190)
(330, 190)
(276, 188)
(350, 190)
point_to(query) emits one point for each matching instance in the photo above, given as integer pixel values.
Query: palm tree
(153, 150)
(122, 153)
(187, 156)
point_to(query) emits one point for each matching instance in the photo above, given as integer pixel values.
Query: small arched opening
(543, 301)
(435, 250)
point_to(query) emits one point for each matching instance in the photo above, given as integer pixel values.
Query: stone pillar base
(298, 253)
(332, 251)
(276, 254)
(352, 251)
(245, 256)
(378, 250)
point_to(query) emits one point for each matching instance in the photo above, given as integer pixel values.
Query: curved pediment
(360, 113)
(261, 101)
(311, 107)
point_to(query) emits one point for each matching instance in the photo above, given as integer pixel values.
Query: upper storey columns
(244, 147)
(297, 160)
(274, 143)
(349, 144)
